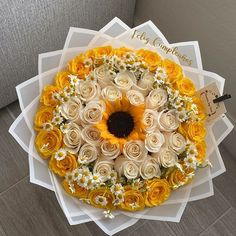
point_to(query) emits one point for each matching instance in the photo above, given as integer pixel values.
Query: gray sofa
(31, 27)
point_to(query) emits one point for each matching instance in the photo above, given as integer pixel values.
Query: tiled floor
(27, 209)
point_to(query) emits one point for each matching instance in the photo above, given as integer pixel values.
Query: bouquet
(118, 128)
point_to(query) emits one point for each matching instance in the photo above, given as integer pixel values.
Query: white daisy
(108, 214)
(101, 200)
(57, 120)
(47, 126)
(60, 154)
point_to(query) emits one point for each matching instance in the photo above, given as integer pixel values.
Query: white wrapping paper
(117, 34)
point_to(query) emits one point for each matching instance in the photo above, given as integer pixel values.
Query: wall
(212, 23)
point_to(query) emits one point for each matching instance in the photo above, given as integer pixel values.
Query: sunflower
(122, 122)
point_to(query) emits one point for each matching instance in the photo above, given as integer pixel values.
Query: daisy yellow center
(120, 124)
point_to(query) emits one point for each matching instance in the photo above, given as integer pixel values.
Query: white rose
(92, 135)
(127, 168)
(146, 81)
(167, 121)
(176, 142)
(103, 76)
(70, 110)
(135, 150)
(87, 154)
(154, 141)
(166, 157)
(89, 90)
(150, 120)
(149, 168)
(136, 98)
(110, 151)
(124, 81)
(92, 113)
(111, 93)
(104, 168)
(72, 138)
(156, 98)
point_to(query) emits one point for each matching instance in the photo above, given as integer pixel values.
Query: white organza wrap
(117, 34)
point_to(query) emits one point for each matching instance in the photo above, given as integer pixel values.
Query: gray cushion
(29, 28)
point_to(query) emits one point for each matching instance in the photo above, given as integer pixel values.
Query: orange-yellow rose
(151, 58)
(194, 130)
(120, 52)
(43, 115)
(185, 86)
(80, 192)
(47, 95)
(48, 142)
(176, 178)
(102, 51)
(61, 167)
(174, 71)
(158, 190)
(77, 66)
(104, 192)
(201, 149)
(133, 200)
(62, 80)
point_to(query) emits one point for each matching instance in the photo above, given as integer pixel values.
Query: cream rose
(110, 151)
(72, 138)
(135, 151)
(127, 168)
(166, 157)
(167, 121)
(88, 90)
(154, 141)
(124, 81)
(92, 113)
(136, 98)
(149, 168)
(71, 109)
(91, 135)
(150, 120)
(176, 142)
(87, 154)
(156, 98)
(104, 168)
(147, 80)
(111, 93)
(102, 75)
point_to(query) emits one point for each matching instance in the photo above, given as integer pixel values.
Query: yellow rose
(151, 58)
(99, 52)
(195, 131)
(120, 52)
(77, 66)
(185, 86)
(80, 192)
(200, 106)
(47, 95)
(61, 167)
(201, 149)
(133, 200)
(174, 71)
(43, 115)
(62, 80)
(48, 142)
(176, 178)
(106, 196)
(158, 190)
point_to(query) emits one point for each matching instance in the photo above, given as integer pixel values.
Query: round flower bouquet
(119, 129)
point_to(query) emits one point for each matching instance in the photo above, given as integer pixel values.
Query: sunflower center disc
(120, 124)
